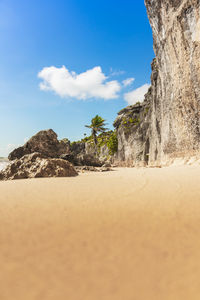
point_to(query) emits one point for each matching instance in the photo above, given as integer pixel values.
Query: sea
(3, 164)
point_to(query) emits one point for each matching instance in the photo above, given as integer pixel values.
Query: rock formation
(170, 126)
(176, 86)
(83, 153)
(132, 125)
(36, 165)
(82, 158)
(167, 124)
(44, 142)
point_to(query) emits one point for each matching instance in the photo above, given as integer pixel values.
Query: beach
(131, 234)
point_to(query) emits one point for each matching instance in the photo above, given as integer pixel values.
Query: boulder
(44, 142)
(37, 165)
(69, 157)
(87, 160)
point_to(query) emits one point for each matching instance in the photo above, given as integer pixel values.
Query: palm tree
(97, 125)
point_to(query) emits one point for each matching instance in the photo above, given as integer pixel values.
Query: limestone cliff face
(176, 103)
(132, 125)
(174, 97)
(138, 129)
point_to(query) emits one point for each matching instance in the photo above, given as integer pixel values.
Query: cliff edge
(169, 118)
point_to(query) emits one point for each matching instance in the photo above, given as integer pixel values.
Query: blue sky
(62, 62)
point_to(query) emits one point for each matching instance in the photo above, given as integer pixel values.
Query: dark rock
(87, 160)
(36, 165)
(82, 159)
(69, 157)
(44, 142)
(86, 168)
(77, 148)
(18, 153)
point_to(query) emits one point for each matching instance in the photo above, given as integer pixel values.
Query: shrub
(112, 143)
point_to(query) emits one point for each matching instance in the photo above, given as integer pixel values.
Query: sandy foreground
(127, 234)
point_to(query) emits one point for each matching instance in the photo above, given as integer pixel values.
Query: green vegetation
(65, 140)
(75, 142)
(146, 111)
(97, 141)
(130, 121)
(109, 139)
(86, 139)
(112, 143)
(97, 125)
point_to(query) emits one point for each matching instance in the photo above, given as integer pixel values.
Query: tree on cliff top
(97, 125)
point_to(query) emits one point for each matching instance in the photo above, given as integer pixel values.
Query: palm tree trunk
(95, 141)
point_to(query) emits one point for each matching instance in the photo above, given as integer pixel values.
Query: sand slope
(129, 234)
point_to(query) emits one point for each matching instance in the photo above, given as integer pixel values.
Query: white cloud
(83, 86)
(116, 72)
(136, 95)
(128, 81)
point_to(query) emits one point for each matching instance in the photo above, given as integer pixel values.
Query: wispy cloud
(128, 81)
(137, 94)
(116, 72)
(92, 83)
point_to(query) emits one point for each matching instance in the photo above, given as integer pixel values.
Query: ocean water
(3, 164)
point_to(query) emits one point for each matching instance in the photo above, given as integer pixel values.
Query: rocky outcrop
(84, 152)
(77, 147)
(171, 127)
(81, 155)
(82, 159)
(132, 125)
(36, 165)
(44, 142)
(175, 103)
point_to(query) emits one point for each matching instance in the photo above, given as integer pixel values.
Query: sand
(129, 234)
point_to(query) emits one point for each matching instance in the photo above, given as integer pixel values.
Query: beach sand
(130, 234)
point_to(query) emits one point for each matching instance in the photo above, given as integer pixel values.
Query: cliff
(171, 127)
(132, 125)
(85, 152)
